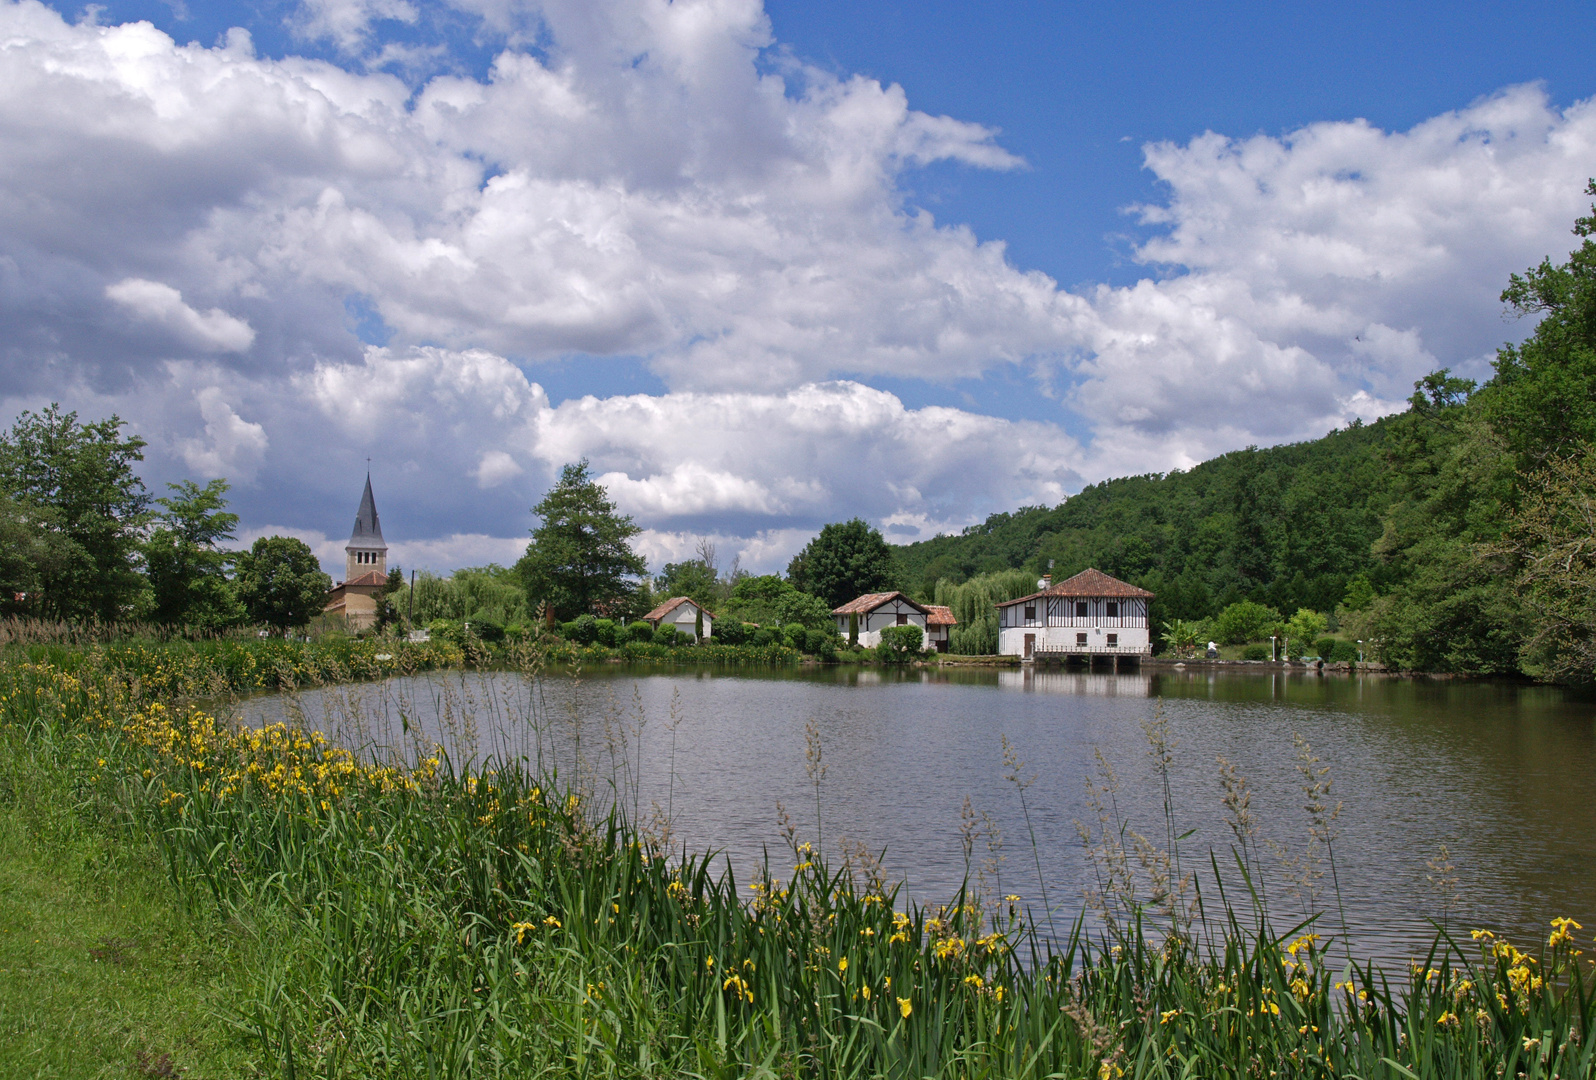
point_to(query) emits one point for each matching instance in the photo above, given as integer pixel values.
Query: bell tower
(366, 553)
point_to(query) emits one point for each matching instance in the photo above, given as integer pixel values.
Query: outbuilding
(939, 624)
(1088, 615)
(877, 611)
(682, 612)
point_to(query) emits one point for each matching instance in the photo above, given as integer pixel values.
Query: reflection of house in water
(1076, 683)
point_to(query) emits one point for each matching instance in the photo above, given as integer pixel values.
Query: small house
(939, 624)
(681, 612)
(877, 611)
(1090, 614)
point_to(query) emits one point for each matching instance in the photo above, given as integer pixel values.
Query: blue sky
(765, 266)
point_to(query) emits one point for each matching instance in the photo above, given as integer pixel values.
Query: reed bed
(435, 917)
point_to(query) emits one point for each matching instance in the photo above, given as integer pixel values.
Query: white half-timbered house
(877, 611)
(1090, 614)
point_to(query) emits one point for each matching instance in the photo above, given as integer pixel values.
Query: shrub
(446, 630)
(1324, 647)
(584, 630)
(1255, 652)
(604, 632)
(669, 636)
(794, 635)
(1244, 622)
(821, 642)
(900, 644)
(762, 637)
(639, 631)
(729, 632)
(486, 628)
(1343, 652)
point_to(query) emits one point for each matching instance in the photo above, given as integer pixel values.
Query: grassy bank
(377, 920)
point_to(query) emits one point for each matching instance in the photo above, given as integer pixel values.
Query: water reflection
(1499, 773)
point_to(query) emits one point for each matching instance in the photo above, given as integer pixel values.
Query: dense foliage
(845, 561)
(580, 553)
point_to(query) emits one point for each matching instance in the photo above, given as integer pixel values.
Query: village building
(354, 599)
(939, 624)
(877, 611)
(682, 612)
(1087, 616)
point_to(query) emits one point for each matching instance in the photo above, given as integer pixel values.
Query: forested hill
(1290, 526)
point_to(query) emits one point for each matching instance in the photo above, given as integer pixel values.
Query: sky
(763, 266)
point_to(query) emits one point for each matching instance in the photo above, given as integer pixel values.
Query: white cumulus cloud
(213, 331)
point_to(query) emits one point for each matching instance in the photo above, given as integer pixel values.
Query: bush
(794, 635)
(446, 630)
(1244, 622)
(669, 636)
(900, 644)
(1343, 652)
(1255, 652)
(604, 632)
(821, 642)
(584, 630)
(762, 637)
(1324, 647)
(488, 629)
(639, 631)
(728, 632)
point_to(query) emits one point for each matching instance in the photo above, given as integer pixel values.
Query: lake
(1501, 774)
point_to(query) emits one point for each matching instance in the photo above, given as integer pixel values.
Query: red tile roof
(671, 605)
(936, 615)
(870, 601)
(369, 580)
(1088, 583)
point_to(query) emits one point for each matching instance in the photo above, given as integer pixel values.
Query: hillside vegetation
(1457, 536)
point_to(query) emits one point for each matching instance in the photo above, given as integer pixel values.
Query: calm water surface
(1501, 774)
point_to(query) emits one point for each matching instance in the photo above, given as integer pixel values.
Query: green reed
(484, 920)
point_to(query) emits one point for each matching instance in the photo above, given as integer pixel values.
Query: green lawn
(101, 972)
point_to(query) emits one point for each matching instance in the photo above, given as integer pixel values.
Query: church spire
(368, 530)
(366, 552)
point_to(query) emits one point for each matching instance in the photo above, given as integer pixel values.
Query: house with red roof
(682, 612)
(877, 611)
(1088, 615)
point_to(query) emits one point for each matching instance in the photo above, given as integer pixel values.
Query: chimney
(1046, 582)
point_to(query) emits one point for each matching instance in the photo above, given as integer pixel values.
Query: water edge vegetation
(438, 916)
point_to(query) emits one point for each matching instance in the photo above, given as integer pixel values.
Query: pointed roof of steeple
(368, 529)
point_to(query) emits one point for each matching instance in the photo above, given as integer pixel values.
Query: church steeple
(366, 552)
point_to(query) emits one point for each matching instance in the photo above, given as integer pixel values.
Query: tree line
(1457, 536)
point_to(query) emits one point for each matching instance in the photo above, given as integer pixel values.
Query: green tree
(388, 613)
(1553, 540)
(187, 568)
(33, 550)
(1303, 630)
(77, 481)
(580, 554)
(846, 560)
(694, 578)
(280, 583)
(1244, 622)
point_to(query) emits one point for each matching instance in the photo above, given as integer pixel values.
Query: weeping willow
(973, 604)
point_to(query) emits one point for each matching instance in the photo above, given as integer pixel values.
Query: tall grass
(455, 919)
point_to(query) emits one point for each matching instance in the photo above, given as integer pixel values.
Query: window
(1111, 610)
(1113, 640)
(903, 620)
(1082, 609)
(1080, 639)
(1030, 614)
